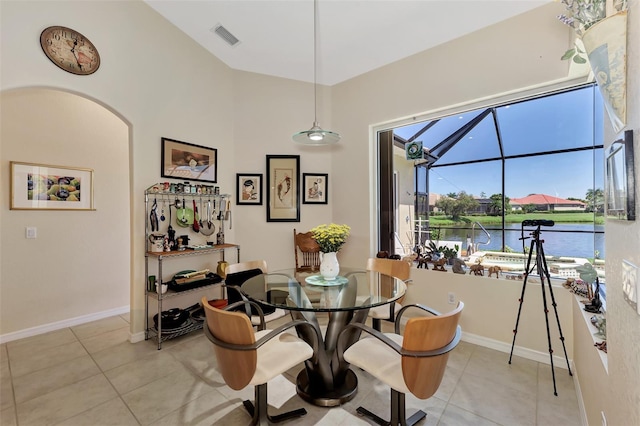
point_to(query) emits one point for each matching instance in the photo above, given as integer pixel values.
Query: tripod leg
(524, 287)
(542, 273)
(555, 309)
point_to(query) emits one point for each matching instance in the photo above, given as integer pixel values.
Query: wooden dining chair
(414, 362)
(307, 252)
(247, 357)
(394, 268)
(236, 275)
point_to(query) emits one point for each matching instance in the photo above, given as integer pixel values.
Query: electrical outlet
(452, 298)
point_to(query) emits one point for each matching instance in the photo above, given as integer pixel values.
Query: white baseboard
(71, 322)
(581, 407)
(527, 353)
(537, 356)
(136, 337)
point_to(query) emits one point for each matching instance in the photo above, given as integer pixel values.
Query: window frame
(494, 103)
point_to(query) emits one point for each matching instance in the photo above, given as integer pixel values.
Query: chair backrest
(237, 367)
(396, 268)
(245, 266)
(238, 273)
(307, 251)
(423, 375)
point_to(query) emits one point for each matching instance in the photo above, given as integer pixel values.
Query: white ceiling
(353, 36)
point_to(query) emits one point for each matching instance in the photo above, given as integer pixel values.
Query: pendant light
(315, 135)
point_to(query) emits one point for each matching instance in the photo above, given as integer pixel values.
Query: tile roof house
(545, 202)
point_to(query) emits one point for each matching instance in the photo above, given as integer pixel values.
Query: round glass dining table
(327, 381)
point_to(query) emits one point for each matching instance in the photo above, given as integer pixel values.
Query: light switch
(31, 232)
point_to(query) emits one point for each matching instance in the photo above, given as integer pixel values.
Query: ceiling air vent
(225, 35)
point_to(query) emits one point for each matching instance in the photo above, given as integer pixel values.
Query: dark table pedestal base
(324, 397)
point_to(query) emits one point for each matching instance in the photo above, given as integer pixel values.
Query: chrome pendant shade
(316, 135)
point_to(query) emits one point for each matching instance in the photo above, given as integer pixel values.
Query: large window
(487, 170)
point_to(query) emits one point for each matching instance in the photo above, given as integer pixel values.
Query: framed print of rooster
(283, 188)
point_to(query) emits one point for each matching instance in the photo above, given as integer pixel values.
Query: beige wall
(483, 64)
(144, 79)
(79, 263)
(155, 78)
(491, 309)
(268, 112)
(590, 371)
(622, 390)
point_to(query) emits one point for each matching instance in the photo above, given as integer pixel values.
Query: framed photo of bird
(283, 188)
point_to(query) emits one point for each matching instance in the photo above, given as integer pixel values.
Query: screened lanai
(486, 170)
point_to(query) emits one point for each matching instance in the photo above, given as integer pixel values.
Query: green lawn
(517, 218)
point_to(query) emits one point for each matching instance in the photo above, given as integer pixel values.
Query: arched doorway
(78, 268)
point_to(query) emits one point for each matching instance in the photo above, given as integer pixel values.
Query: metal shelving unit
(160, 257)
(158, 334)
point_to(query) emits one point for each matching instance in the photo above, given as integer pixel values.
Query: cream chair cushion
(278, 355)
(379, 360)
(383, 311)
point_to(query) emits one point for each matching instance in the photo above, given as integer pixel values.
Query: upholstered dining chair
(413, 363)
(236, 275)
(247, 357)
(395, 268)
(307, 252)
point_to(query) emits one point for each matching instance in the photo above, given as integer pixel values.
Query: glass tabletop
(353, 289)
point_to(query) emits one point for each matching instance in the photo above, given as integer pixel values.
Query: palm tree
(595, 199)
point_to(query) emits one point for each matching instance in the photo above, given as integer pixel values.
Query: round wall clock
(70, 50)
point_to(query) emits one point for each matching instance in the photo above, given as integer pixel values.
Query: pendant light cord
(315, 135)
(315, 60)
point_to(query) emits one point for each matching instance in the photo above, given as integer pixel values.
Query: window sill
(592, 330)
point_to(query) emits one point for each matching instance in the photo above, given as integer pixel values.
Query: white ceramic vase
(329, 266)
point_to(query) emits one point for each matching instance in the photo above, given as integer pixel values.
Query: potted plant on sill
(435, 251)
(450, 253)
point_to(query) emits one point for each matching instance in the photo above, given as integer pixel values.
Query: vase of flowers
(330, 238)
(329, 266)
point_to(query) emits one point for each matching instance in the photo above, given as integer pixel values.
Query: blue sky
(558, 175)
(552, 123)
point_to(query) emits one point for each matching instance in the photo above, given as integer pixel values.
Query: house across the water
(544, 202)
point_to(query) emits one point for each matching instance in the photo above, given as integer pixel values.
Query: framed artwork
(46, 187)
(315, 188)
(283, 188)
(182, 160)
(248, 188)
(620, 187)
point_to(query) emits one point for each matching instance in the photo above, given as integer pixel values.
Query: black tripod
(543, 273)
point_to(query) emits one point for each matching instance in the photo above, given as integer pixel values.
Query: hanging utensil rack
(217, 251)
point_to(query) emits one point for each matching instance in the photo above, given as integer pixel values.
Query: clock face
(70, 50)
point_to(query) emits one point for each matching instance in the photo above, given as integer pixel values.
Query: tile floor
(91, 375)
